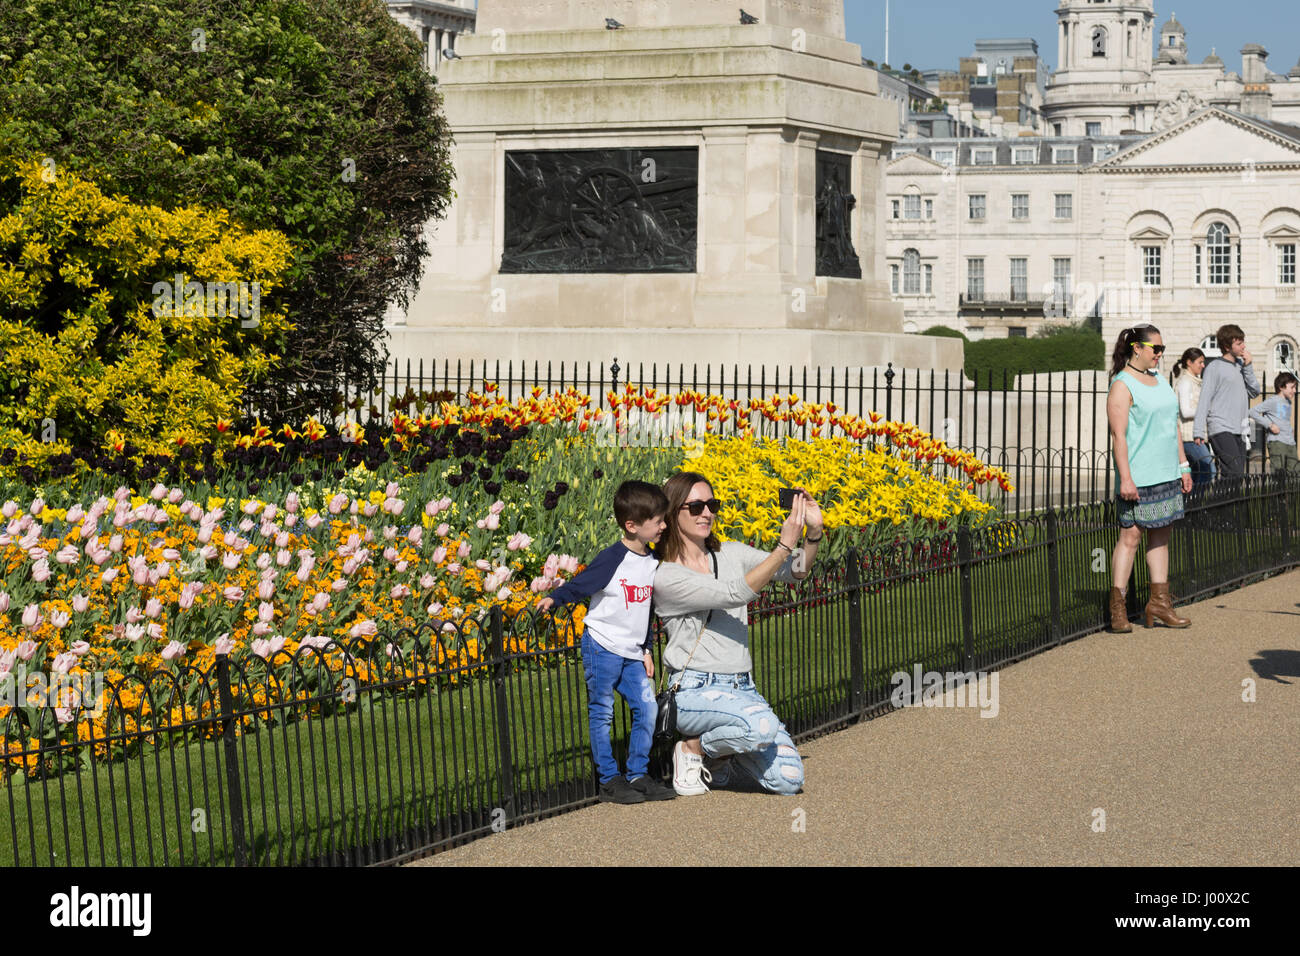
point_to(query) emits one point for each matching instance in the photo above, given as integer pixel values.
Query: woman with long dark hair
(1151, 472)
(701, 591)
(1187, 385)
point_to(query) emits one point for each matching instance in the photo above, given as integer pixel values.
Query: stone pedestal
(758, 104)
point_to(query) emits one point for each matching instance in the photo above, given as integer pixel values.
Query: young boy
(616, 641)
(1275, 415)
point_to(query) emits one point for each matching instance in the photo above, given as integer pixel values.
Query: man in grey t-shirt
(1227, 386)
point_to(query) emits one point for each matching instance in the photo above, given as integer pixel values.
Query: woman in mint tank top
(1151, 472)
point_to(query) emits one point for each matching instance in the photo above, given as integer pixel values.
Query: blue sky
(934, 34)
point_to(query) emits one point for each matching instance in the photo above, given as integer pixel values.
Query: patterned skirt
(1157, 506)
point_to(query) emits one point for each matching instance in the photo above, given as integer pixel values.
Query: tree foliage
(313, 118)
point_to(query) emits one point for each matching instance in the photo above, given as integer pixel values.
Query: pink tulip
(230, 560)
(354, 508)
(7, 659)
(320, 601)
(463, 550)
(223, 644)
(38, 505)
(444, 504)
(442, 529)
(41, 571)
(268, 513)
(10, 508)
(504, 594)
(233, 593)
(247, 525)
(453, 568)
(175, 495)
(79, 603)
(449, 626)
(4, 602)
(392, 490)
(261, 628)
(32, 616)
(60, 619)
(349, 566)
(434, 609)
(399, 591)
(569, 563)
(115, 543)
(368, 535)
(370, 510)
(318, 641)
(314, 521)
(427, 580)
(80, 648)
(392, 651)
(291, 502)
(171, 554)
(483, 565)
(415, 535)
(497, 507)
(134, 615)
(282, 558)
(109, 576)
(262, 648)
(266, 611)
(338, 584)
(401, 566)
(173, 650)
(153, 607)
(69, 554)
(208, 552)
(390, 532)
(64, 663)
(366, 628)
(397, 507)
(290, 520)
(160, 572)
(431, 508)
(282, 539)
(155, 630)
(26, 649)
(480, 524)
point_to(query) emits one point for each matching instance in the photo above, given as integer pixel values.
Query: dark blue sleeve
(649, 644)
(593, 578)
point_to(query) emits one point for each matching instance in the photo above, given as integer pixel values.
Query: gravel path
(1149, 727)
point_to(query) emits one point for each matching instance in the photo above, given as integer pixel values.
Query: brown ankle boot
(1118, 612)
(1161, 608)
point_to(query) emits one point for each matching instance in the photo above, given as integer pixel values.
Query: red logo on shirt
(635, 593)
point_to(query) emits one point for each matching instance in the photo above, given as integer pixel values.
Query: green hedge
(943, 332)
(1064, 351)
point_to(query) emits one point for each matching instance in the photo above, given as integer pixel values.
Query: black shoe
(652, 789)
(618, 790)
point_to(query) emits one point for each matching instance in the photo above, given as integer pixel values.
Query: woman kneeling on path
(701, 592)
(1151, 472)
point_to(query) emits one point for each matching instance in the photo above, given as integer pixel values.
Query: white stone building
(1110, 80)
(438, 24)
(1189, 228)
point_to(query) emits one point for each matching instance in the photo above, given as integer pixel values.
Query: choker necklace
(1136, 369)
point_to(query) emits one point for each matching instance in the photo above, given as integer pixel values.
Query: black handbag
(666, 699)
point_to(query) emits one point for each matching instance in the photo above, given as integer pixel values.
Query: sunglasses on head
(1158, 349)
(696, 508)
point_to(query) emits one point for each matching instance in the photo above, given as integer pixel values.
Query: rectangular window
(1198, 264)
(893, 279)
(1017, 332)
(1286, 264)
(1061, 287)
(1021, 155)
(1065, 205)
(983, 157)
(975, 279)
(1238, 248)
(1151, 265)
(1056, 129)
(1092, 129)
(911, 207)
(929, 209)
(1020, 205)
(894, 206)
(1220, 263)
(977, 206)
(929, 279)
(946, 156)
(1019, 280)
(1063, 154)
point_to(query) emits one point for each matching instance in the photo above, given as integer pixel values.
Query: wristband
(1185, 468)
(814, 540)
(782, 544)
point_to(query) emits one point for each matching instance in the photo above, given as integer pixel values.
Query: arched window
(1218, 248)
(1284, 357)
(911, 272)
(1099, 41)
(1210, 346)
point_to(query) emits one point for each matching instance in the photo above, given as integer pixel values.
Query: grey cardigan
(683, 598)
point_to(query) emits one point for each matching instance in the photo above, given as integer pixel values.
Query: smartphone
(785, 497)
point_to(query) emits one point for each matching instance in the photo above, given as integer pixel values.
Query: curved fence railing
(383, 748)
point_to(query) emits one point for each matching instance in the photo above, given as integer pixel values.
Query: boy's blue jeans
(1202, 461)
(607, 672)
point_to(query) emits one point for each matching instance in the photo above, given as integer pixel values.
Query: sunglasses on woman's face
(696, 508)
(1158, 349)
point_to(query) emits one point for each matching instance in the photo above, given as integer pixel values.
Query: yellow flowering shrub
(88, 344)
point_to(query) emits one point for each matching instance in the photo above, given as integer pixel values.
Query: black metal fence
(1047, 431)
(367, 753)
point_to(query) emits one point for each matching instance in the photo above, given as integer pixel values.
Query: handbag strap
(703, 624)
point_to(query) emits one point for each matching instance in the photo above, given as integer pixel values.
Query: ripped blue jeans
(731, 718)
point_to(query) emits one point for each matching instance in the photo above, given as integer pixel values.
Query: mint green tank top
(1152, 432)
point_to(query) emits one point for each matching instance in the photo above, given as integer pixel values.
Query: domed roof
(1173, 26)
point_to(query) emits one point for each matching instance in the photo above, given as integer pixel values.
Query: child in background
(1274, 414)
(616, 641)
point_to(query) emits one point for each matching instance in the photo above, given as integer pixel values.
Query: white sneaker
(688, 769)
